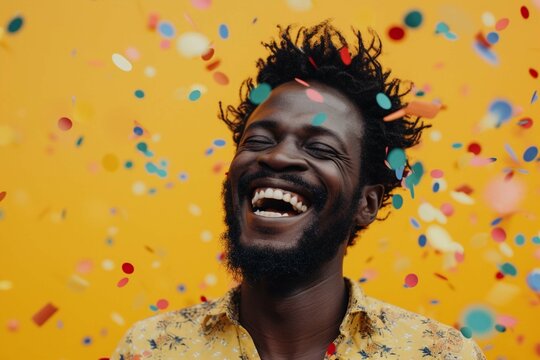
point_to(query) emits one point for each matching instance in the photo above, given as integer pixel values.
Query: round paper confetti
(397, 201)
(530, 154)
(128, 268)
(533, 280)
(194, 95)
(396, 158)
(121, 62)
(162, 304)
(319, 119)
(64, 123)
(488, 19)
(413, 19)
(479, 320)
(533, 73)
(221, 78)
(219, 142)
(260, 93)
(498, 234)
(208, 55)
(138, 188)
(508, 269)
(201, 4)
(519, 239)
(466, 332)
(150, 71)
(300, 5)
(15, 24)
(524, 12)
(492, 38)
(107, 264)
(166, 29)
(345, 55)
(502, 24)
(411, 280)
(223, 31)
(123, 282)
(139, 94)
(383, 101)
(437, 174)
(314, 95)
(422, 240)
(396, 33)
(191, 44)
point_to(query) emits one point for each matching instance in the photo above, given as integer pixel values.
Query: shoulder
(418, 333)
(164, 332)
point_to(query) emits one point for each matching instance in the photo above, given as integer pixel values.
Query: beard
(320, 240)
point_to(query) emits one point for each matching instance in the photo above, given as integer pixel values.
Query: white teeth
(277, 194)
(269, 214)
(269, 193)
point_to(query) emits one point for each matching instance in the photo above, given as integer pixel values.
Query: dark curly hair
(314, 55)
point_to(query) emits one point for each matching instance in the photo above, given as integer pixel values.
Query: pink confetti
(201, 4)
(437, 174)
(506, 320)
(300, 81)
(314, 95)
(502, 24)
(411, 280)
(123, 282)
(498, 234)
(162, 304)
(64, 123)
(447, 209)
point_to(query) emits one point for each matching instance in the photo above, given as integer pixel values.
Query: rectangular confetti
(44, 314)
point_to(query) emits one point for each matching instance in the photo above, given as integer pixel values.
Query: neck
(297, 319)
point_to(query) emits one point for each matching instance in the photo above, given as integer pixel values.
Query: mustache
(318, 193)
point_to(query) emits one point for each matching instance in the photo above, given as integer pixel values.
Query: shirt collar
(357, 318)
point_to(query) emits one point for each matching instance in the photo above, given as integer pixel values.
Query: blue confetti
(219, 142)
(223, 31)
(166, 29)
(422, 240)
(530, 154)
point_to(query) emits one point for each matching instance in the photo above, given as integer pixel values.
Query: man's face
(282, 160)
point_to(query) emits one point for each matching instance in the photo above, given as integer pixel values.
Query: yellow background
(69, 216)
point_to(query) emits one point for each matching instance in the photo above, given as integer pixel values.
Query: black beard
(286, 266)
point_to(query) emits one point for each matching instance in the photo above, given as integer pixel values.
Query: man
(309, 173)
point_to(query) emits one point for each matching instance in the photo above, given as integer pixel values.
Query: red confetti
(213, 65)
(474, 148)
(128, 268)
(524, 12)
(525, 123)
(162, 304)
(153, 21)
(537, 348)
(502, 24)
(396, 33)
(64, 123)
(123, 282)
(312, 62)
(44, 314)
(499, 275)
(498, 234)
(482, 40)
(2, 195)
(411, 280)
(208, 55)
(441, 276)
(331, 350)
(345, 55)
(203, 298)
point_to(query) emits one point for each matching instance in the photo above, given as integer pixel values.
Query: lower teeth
(270, 214)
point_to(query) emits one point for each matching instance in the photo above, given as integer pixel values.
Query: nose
(285, 156)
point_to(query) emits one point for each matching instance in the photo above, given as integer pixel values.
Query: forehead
(292, 105)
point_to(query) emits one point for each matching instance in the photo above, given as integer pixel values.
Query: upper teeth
(279, 194)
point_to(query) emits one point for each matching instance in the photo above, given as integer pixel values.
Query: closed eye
(322, 149)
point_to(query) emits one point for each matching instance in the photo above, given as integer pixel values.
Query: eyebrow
(270, 124)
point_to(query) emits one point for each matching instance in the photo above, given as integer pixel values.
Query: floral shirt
(371, 329)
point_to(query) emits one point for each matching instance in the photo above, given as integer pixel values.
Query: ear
(369, 204)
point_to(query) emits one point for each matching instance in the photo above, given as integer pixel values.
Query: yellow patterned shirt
(371, 329)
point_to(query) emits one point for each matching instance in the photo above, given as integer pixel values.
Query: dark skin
(299, 318)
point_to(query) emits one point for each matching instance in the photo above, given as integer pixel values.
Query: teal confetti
(466, 332)
(479, 320)
(508, 269)
(194, 95)
(396, 158)
(413, 19)
(319, 119)
(260, 93)
(139, 94)
(397, 201)
(15, 24)
(383, 101)
(79, 141)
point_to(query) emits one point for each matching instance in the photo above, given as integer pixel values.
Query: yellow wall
(70, 217)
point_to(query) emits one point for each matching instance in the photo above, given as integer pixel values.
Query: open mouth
(276, 202)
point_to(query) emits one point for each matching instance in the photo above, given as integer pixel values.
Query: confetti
(533, 73)
(223, 31)
(396, 33)
(331, 349)
(300, 5)
(508, 269)
(192, 44)
(221, 78)
(300, 81)
(201, 4)
(194, 95)
(15, 24)
(479, 320)
(524, 12)
(128, 268)
(383, 101)
(121, 62)
(44, 314)
(411, 280)
(2, 195)
(498, 234)
(345, 55)
(64, 123)
(319, 119)
(260, 93)
(413, 19)
(534, 97)
(397, 201)
(208, 55)
(139, 94)
(162, 304)
(314, 95)
(502, 24)
(533, 280)
(123, 282)
(530, 154)
(166, 29)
